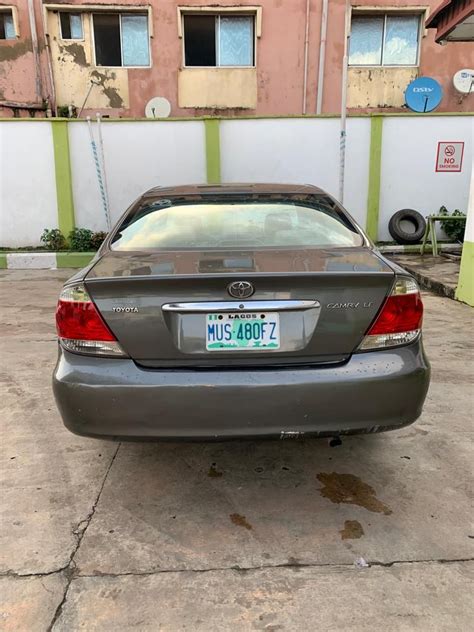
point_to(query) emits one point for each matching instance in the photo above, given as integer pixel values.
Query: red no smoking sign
(449, 156)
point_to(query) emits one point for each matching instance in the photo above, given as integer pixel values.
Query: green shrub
(97, 239)
(80, 239)
(454, 230)
(53, 239)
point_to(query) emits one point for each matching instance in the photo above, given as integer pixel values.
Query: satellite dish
(158, 107)
(463, 81)
(423, 94)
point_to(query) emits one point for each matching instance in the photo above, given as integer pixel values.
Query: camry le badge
(365, 304)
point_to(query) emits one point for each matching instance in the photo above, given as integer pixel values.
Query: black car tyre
(397, 226)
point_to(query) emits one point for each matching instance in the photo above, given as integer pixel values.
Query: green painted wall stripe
(62, 163)
(213, 151)
(465, 288)
(73, 259)
(373, 197)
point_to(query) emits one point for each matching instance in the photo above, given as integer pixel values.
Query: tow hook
(334, 442)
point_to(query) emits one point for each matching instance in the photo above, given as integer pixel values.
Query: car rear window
(165, 224)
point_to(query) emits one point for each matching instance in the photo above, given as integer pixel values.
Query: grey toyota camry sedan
(247, 310)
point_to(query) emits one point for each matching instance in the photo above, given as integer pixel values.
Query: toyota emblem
(241, 289)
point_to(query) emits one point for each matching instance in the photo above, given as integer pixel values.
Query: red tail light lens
(399, 320)
(80, 326)
(80, 321)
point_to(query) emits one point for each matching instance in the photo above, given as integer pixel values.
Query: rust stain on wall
(76, 51)
(74, 70)
(110, 92)
(14, 51)
(378, 87)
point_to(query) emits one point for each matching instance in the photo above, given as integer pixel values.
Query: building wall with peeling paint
(17, 65)
(277, 85)
(74, 72)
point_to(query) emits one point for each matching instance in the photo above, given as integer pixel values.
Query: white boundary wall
(27, 182)
(138, 156)
(302, 151)
(408, 170)
(143, 154)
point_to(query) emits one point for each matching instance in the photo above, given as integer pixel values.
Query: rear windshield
(171, 225)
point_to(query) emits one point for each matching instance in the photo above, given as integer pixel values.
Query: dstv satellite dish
(463, 81)
(158, 107)
(423, 94)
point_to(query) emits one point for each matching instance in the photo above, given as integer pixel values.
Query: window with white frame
(384, 40)
(121, 39)
(7, 25)
(71, 25)
(219, 40)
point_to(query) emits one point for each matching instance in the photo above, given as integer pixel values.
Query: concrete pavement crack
(79, 533)
(291, 565)
(242, 569)
(56, 571)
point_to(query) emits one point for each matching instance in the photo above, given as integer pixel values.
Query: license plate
(243, 332)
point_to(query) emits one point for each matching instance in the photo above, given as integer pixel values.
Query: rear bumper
(114, 398)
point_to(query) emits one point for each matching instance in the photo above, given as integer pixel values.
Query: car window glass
(164, 225)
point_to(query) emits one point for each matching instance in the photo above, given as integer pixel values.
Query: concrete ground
(439, 274)
(236, 536)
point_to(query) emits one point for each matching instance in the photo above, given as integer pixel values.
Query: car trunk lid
(327, 299)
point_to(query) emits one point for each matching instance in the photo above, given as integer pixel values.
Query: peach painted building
(272, 57)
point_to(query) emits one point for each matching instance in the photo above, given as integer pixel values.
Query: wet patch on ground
(214, 472)
(353, 530)
(350, 489)
(240, 521)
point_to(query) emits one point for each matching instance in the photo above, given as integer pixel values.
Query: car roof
(250, 188)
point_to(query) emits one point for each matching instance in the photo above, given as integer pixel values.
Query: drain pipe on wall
(34, 42)
(52, 100)
(343, 135)
(322, 57)
(306, 46)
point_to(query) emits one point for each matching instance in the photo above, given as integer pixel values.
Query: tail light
(80, 326)
(399, 320)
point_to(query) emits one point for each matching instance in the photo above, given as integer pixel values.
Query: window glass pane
(236, 41)
(75, 20)
(8, 26)
(65, 25)
(107, 39)
(165, 225)
(200, 40)
(135, 48)
(401, 40)
(366, 41)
